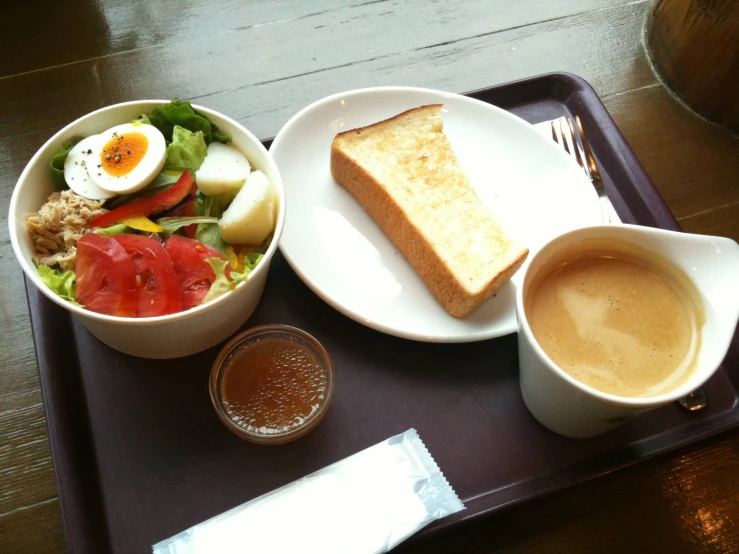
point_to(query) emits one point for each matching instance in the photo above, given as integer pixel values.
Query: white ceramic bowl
(169, 336)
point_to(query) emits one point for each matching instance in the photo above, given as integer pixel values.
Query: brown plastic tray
(141, 455)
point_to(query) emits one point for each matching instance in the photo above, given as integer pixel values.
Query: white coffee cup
(573, 409)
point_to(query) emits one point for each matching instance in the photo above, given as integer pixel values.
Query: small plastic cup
(222, 368)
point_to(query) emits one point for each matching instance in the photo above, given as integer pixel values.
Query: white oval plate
(532, 187)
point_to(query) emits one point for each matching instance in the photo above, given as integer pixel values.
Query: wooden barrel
(694, 45)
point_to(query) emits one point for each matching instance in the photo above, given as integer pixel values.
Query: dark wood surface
(262, 61)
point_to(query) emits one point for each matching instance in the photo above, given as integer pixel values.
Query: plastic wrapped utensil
(365, 504)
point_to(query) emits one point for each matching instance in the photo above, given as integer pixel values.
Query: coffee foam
(617, 317)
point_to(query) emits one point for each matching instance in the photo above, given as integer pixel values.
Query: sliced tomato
(195, 294)
(159, 291)
(157, 203)
(106, 279)
(193, 272)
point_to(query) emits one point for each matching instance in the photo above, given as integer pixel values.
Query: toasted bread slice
(404, 173)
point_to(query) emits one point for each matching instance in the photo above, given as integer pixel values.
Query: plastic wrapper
(365, 504)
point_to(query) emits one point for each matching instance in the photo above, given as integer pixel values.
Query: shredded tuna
(58, 225)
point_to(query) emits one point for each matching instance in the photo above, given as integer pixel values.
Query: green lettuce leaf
(186, 151)
(210, 233)
(177, 112)
(201, 206)
(251, 260)
(171, 224)
(222, 284)
(209, 206)
(57, 163)
(60, 283)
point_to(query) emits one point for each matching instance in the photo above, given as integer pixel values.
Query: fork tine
(554, 132)
(579, 152)
(588, 152)
(563, 130)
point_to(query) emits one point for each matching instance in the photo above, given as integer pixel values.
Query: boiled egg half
(79, 158)
(126, 158)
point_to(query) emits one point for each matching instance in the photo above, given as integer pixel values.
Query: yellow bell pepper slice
(233, 259)
(242, 256)
(141, 223)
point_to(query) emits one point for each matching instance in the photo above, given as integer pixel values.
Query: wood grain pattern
(26, 471)
(33, 529)
(264, 86)
(260, 62)
(723, 221)
(640, 509)
(694, 165)
(106, 28)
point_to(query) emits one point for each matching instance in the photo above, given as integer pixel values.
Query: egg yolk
(123, 153)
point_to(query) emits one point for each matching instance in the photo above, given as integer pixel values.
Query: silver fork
(571, 136)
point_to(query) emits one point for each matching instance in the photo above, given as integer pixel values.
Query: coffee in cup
(616, 317)
(660, 306)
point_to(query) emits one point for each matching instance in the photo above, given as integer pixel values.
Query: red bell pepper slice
(146, 207)
(188, 211)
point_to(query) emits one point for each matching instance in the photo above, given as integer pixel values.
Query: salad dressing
(272, 384)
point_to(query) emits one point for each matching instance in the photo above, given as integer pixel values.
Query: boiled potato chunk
(251, 216)
(224, 171)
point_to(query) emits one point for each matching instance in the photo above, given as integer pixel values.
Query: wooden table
(260, 62)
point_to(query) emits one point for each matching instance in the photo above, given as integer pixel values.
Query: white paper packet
(367, 503)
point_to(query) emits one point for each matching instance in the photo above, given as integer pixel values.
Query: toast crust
(412, 226)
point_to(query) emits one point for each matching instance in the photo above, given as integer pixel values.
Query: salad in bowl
(151, 221)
